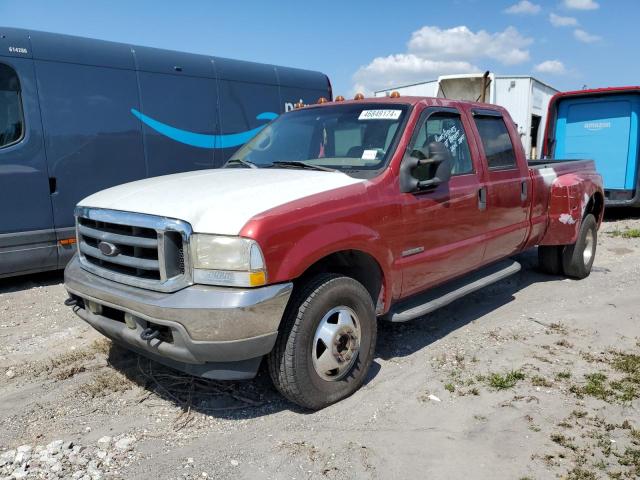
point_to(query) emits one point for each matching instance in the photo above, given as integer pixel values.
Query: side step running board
(437, 297)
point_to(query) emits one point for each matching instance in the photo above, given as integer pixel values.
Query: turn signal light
(67, 241)
(359, 96)
(395, 94)
(257, 278)
(322, 100)
(339, 98)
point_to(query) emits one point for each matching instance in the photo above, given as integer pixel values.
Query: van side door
(178, 110)
(249, 99)
(92, 139)
(445, 226)
(507, 184)
(27, 237)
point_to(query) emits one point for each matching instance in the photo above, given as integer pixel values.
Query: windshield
(342, 137)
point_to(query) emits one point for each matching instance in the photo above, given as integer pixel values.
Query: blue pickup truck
(79, 115)
(603, 125)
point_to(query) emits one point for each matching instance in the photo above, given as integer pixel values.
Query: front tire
(326, 342)
(577, 259)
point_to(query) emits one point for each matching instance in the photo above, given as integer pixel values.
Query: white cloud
(523, 7)
(433, 51)
(402, 69)
(585, 37)
(554, 67)
(560, 21)
(460, 43)
(581, 4)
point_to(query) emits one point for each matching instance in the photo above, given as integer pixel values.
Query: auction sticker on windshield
(379, 114)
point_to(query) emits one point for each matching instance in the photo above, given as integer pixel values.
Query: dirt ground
(534, 377)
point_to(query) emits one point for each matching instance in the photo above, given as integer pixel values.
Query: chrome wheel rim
(336, 343)
(589, 245)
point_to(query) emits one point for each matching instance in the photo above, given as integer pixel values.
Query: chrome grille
(136, 249)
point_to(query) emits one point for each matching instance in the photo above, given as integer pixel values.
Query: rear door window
(496, 142)
(11, 117)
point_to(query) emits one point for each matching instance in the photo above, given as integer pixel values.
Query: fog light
(93, 307)
(130, 321)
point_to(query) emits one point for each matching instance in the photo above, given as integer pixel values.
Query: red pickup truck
(334, 216)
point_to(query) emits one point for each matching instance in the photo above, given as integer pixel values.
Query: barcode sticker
(379, 114)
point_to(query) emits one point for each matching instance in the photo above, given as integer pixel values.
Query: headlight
(232, 261)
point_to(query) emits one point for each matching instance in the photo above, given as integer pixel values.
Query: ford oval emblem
(108, 249)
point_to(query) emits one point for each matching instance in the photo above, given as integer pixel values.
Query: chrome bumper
(206, 328)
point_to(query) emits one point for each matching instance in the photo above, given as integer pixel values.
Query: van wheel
(550, 259)
(326, 342)
(577, 259)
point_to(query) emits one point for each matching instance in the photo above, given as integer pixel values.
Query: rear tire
(577, 259)
(328, 309)
(550, 259)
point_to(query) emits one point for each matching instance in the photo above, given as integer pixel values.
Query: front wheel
(326, 342)
(577, 259)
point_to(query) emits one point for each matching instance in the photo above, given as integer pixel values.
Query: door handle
(482, 198)
(523, 190)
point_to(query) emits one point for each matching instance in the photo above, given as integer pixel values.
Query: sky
(367, 46)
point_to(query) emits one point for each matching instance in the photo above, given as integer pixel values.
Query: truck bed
(551, 162)
(563, 166)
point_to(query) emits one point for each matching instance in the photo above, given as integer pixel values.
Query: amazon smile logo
(202, 140)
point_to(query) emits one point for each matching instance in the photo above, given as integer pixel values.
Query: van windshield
(351, 138)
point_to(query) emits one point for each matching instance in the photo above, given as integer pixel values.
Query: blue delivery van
(603, 125)
(78, 115)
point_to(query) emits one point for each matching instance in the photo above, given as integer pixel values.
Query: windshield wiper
(299, 164)
(246, 163)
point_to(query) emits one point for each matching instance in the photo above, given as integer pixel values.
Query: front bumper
(214, 332)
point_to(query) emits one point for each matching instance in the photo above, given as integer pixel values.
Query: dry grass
(67, 364)
(105, 383)
(539, 381)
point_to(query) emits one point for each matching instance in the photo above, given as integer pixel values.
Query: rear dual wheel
(326, 342)
(573, 260)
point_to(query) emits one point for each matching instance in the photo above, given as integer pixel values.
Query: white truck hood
(217, 201)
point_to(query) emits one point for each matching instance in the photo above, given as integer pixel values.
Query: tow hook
(149, 334)
(71, 302)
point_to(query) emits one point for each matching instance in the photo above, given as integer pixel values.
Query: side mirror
(438, 156)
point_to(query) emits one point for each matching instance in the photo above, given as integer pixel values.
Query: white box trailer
(525, 98)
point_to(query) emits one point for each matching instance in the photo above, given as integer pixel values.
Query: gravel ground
(534, 377)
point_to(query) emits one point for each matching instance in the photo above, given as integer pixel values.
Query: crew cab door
(507, 186)
(444, 226)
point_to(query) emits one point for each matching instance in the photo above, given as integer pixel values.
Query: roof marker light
(359, 96)
(339, 98)
(395, 94)
(322, 100)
